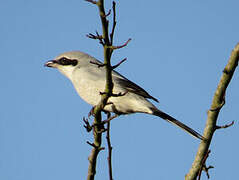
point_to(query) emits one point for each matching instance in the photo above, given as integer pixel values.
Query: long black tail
(177, 123)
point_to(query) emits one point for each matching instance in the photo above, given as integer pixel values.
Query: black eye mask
(65, 61)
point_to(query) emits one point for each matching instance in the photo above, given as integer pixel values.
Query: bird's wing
(130, 86)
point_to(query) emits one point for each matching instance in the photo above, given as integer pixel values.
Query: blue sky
(177, 53)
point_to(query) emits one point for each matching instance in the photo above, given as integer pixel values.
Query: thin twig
(206, 169)
(92, 36)
(98, 64)
(108, 13)
(97, 37)
(110, 118)
(91, 1)
(109, 148)
(117, 65)
(91, 144)
(113, 67)
(203, 164)
(114, 24)
(225, 126)
(121, 46)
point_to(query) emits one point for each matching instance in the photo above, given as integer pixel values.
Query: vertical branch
(114, 24)
(107, 42)
(109, 149)
(96, 146)
(108, 91)
(211, 124)
(107, 52)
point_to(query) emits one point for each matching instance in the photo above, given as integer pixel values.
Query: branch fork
(203, 166)
(96, 37)
(112, 67)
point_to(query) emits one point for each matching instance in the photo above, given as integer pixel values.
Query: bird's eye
(64, 61)
(74, 62)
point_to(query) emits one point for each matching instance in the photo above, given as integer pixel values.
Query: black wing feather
(132, 87)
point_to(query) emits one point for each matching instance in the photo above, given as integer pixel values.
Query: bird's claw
(91, 113)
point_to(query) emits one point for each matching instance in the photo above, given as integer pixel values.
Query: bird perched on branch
(89, 78)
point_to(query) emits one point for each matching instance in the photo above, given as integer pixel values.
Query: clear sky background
(177, 53)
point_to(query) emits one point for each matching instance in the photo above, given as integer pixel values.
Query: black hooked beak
(50, 63)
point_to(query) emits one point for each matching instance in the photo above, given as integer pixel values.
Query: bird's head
(67, 62)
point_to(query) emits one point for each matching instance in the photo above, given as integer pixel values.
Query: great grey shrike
(89, 80)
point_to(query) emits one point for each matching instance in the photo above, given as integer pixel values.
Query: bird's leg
(110, 118)
(91, 113)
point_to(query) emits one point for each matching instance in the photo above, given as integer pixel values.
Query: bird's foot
(91, 113)
(109, 119)
(87, 125)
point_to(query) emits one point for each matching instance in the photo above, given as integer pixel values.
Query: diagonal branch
(121, 46)
(117, 65)
(217, 103)
(91, 1)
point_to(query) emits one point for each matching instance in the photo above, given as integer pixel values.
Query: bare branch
(118, 47)
(109, 148)
(97, 37)
(96, 147)
(108, 13)
(225, 126)
(92, 36)
(106, 41)
(91, 1)
(91, 144)
(114, 24)
(98, 64)
(203, 166)
(115, 66)
(206, 169)
(109, 119)
(219, 106)
(217, 103)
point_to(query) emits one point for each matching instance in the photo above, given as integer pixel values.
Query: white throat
(67, 71)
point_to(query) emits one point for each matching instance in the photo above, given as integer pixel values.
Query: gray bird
(89, 80)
